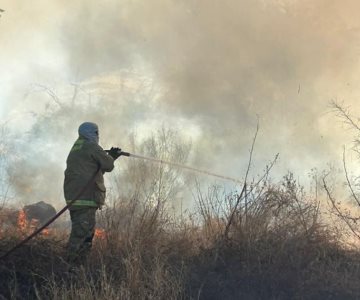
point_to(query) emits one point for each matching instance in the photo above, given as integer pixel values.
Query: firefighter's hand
(114, 152)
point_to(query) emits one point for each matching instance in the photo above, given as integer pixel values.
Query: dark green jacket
(84, 159)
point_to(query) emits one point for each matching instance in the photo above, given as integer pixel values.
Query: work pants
(82, 233)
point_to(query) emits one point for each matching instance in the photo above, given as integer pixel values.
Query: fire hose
(90, 182)
(51, 220)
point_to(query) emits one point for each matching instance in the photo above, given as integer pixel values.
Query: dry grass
(277, 247)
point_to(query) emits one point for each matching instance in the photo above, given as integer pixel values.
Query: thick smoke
(210, 67)
(221, 63)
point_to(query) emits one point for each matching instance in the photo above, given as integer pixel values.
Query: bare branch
(337, 209)
(345, 115)
(348, 180)
(244, 185)
(51, 93)
(75, 93)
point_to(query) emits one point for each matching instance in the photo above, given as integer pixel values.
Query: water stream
(185, 167)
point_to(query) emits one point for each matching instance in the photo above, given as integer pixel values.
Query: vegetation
(265, 241)
(278, 246)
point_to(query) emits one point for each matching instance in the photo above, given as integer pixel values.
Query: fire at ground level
(26, 220)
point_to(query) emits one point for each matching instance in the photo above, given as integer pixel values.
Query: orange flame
(100, 233)
(22, 222)
(24, 225)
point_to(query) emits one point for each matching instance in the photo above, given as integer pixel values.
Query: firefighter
(86, 158)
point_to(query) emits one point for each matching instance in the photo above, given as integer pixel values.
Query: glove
(114, 152)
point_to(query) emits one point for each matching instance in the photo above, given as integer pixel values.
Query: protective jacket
(84, 159)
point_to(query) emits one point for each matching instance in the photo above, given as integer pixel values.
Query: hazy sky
(207, 68)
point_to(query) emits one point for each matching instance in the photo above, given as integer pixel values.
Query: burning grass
(277, 247)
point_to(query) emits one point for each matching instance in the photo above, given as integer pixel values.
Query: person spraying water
(81, 197)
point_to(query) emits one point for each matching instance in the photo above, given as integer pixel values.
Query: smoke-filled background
(208, 69)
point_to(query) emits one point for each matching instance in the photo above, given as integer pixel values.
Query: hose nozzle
(122, 153)
(117, 152)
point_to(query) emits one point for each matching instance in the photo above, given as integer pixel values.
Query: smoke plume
(210, 69)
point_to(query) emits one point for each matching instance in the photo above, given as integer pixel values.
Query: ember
(22, 222)
(46, 231)
(100, 233)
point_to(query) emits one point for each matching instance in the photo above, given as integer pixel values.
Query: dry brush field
(270, 243)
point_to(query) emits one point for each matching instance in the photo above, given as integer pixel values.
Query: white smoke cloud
(206, 67)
